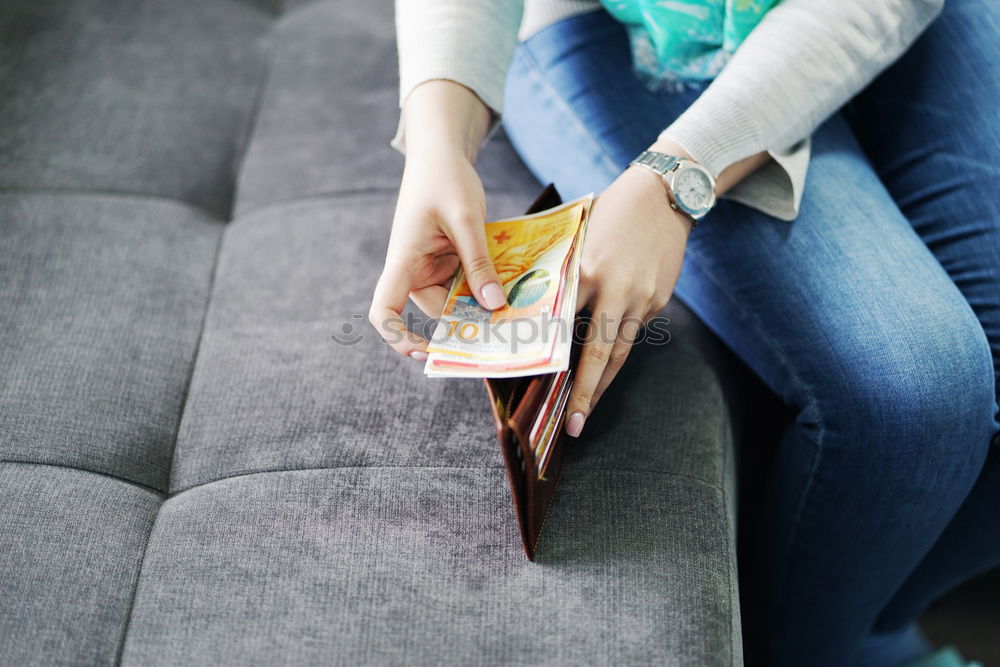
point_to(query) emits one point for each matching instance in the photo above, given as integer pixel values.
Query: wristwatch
(690, 186)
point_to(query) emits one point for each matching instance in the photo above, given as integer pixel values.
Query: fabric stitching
(120, 650)
(329, 197)
(173, 455)
(267, 69)
(723, 511)
(114, 194)
(548, 510)
(139, 485)
(253, 121)
(643, 471)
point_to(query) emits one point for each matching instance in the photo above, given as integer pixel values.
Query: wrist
(690, 186)
(444, 117)
(431, 153)
(652, 190)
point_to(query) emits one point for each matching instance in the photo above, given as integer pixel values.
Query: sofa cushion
(325, 502)
(71, 544)
(330, 107)
(274, 390)
(154, 97)
(420, 565)
(102, 299)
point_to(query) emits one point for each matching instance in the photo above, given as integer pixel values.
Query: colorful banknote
(537, 258)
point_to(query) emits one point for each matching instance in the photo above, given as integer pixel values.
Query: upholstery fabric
(71, 545)
(149, 97)
(194, 202)
(101, 304)
(373, 565)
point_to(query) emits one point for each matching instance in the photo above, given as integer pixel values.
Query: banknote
(537, 258)
(546, 428)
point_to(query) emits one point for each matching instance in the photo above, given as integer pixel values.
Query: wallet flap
(498, 402)
(548, 198)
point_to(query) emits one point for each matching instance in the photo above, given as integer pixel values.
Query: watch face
(693, 190)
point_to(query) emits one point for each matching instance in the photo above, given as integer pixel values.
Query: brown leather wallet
(516, 404)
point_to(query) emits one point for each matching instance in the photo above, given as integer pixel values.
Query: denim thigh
(845, 313)
(931, 130)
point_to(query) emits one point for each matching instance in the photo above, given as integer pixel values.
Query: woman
(867, 296)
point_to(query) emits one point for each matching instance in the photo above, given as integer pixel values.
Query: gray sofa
(195, 198)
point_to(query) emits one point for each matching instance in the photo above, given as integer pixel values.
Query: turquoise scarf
(680, 41)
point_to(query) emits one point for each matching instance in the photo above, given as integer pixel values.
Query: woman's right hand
(440, 215)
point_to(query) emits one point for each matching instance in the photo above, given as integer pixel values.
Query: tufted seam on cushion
(194, 360)
(260, 95)
(184, 399)
(286, 14)
(160, 495)
(265, 14)
(332, 196)
(46, 464)
(114, 194)
(241, 154)
(120, 650)
(618, 470)
(727, 517)
(238, 162)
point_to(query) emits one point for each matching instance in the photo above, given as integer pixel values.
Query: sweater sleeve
(802, 62)
(470, 42)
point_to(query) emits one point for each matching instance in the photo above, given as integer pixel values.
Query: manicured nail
(419, 355)
(493, 296)
(574, 424)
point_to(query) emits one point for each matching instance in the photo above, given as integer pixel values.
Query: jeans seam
(810, 403)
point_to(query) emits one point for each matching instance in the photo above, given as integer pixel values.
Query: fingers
(430, 300)
(628, 332)
(469, 238)
(585, 293)
(594, 358)
(385, 313)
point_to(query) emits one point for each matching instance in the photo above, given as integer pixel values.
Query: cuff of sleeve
(716, 130)
(776, 188)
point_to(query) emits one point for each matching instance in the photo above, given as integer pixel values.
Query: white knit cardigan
(802, 62)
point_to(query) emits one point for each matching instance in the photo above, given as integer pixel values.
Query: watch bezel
(671, 177)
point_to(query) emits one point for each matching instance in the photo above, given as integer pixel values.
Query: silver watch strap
(661, 164)
(658, 162)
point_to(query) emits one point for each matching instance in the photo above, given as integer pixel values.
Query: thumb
(470, 240)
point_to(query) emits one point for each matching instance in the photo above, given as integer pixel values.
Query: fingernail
(419, 355)
(493, 296)
(574, 424)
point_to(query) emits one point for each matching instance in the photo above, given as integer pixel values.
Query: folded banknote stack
(524, 351)
(537, 258)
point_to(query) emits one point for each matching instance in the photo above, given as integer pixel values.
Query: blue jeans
(875, 316)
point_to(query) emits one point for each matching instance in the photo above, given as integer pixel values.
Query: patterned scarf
(682, 43)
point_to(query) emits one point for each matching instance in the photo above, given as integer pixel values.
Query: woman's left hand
(631, 261)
